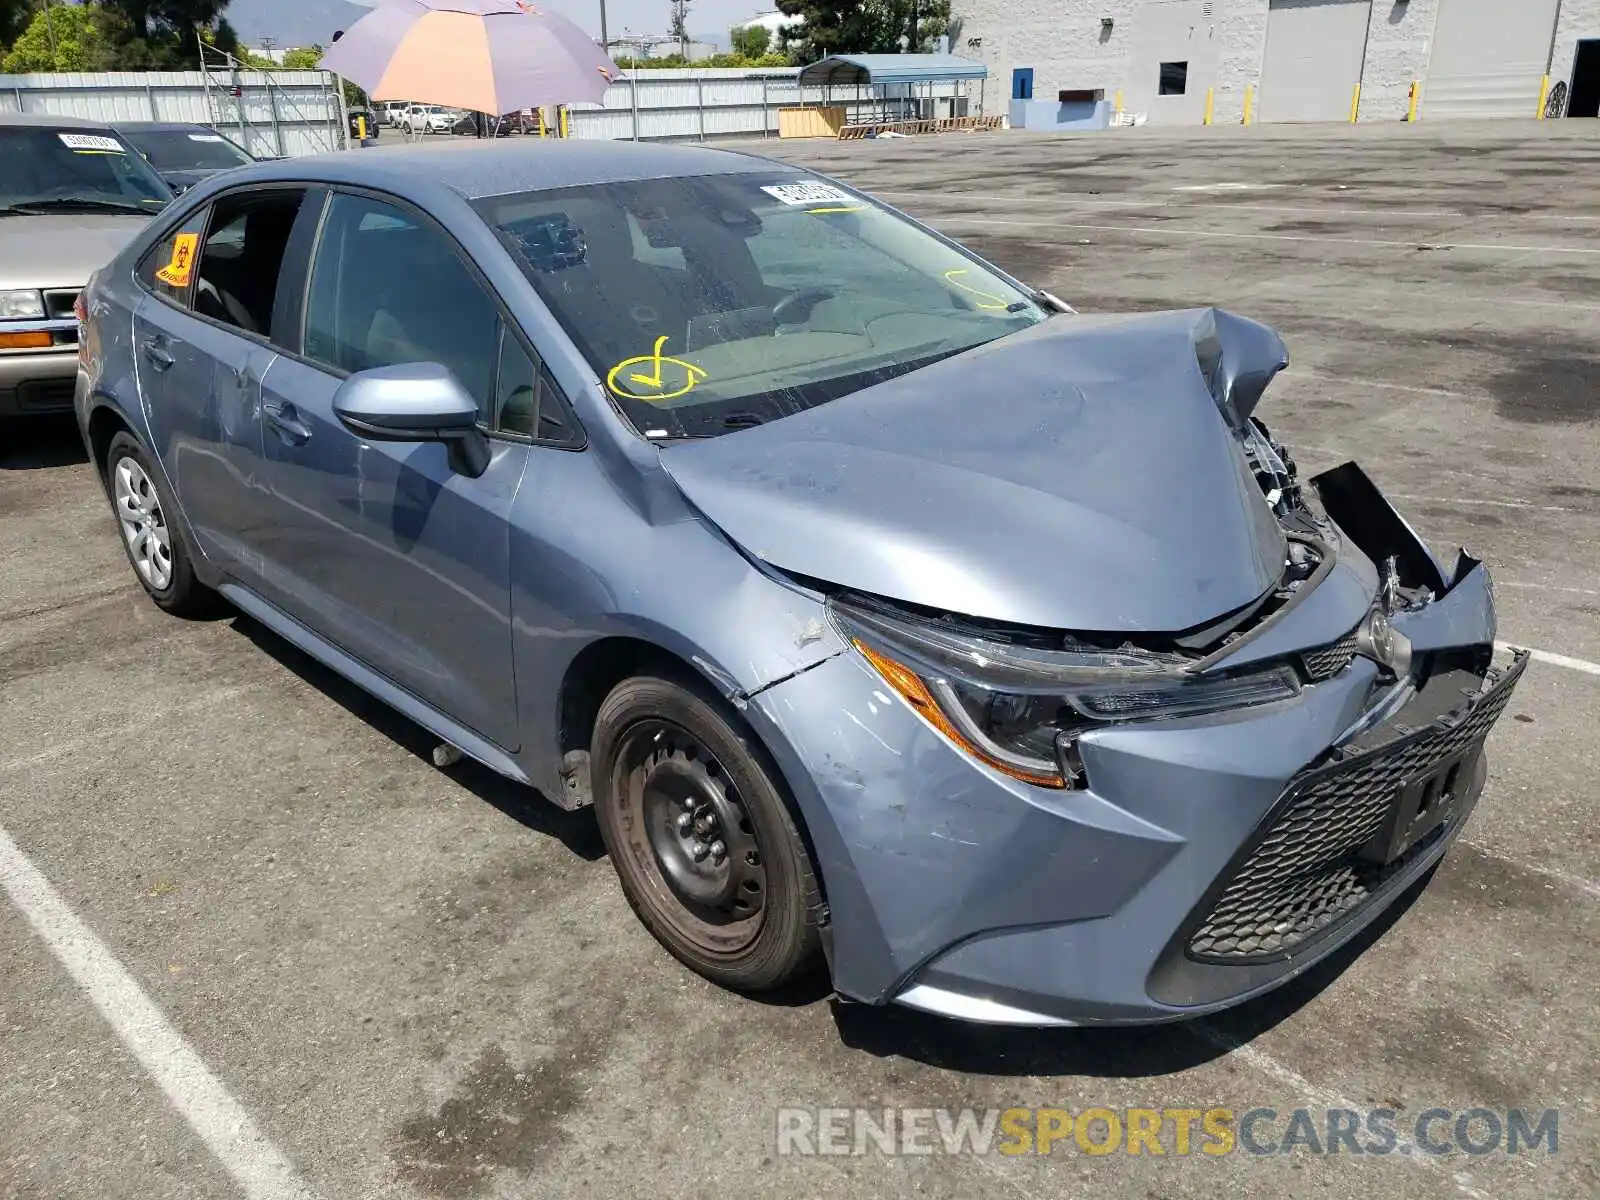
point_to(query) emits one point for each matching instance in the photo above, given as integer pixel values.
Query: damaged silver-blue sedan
(891, 615)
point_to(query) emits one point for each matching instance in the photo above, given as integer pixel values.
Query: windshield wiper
(29, 208)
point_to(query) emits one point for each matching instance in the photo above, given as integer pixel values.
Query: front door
(380, 547)
(1022, 83)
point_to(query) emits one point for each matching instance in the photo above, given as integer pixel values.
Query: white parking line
(255, 1164)
(1558, 660)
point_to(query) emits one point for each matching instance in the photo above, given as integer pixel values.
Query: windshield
(182, 150)
(715, 302)
(63, 168)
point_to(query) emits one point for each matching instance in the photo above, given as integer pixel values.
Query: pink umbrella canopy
(492, 56)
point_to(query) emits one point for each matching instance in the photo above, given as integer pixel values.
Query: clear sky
(302, 22)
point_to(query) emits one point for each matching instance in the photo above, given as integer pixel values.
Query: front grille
(1306, 868)
(1330, 660)
(46, 395)
(58, 303)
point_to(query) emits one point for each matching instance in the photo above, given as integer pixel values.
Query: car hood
(62, 250)
(1085, 474)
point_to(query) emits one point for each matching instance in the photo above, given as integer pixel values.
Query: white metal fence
(282, 113)
(709, 102)
(269, 113)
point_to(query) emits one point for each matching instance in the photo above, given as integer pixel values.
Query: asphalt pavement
(396, 981)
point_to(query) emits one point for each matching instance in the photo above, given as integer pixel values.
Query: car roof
(50, 121)
(163, 126)
(502, 167)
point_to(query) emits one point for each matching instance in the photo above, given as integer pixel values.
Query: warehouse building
(1290, 60)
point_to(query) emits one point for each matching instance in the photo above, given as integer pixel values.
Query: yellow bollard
(1544, 95)
(1249, 101)
(563, 111)
(538, 116)
(1116, 105)
(361, 129)
(1416, 97)
(1211, 103)
(1355, 104)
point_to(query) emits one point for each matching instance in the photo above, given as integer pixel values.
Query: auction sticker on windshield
(92, 142)
(207, 137)
(797, 194)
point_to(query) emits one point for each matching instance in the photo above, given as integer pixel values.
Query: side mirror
(415, 402)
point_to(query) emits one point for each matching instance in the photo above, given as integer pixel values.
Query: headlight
(1020, 708)
(21, 305)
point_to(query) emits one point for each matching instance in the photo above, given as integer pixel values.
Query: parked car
(890, 614)
(506, 125)
(390, 111)
(183, 154)
(71, 195)
(429, 118)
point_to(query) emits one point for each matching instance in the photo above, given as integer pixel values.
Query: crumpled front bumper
(960, 890)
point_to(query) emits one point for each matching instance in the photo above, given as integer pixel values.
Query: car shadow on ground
(37, 443)
(577, 831)
(1111, 1052)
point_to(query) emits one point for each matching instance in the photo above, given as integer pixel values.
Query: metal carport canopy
(891, 68)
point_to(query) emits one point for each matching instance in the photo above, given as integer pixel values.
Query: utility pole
(605, 41)
(50, 29)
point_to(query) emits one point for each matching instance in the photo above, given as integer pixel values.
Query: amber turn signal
(908, 684)
(25, 341)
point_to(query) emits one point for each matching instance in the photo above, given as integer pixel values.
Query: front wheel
(705, 846)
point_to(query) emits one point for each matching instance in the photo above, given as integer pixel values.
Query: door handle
(285, 420)
(159, 358)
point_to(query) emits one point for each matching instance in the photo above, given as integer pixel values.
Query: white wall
(1063, 42)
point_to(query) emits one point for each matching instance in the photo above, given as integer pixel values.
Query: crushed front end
(1023, 826)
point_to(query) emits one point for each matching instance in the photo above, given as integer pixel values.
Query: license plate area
(1423, 805)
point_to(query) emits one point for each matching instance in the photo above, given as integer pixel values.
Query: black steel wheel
(705, 846)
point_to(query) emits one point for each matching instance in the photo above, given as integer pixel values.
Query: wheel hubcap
(699, 835)
(144, 527)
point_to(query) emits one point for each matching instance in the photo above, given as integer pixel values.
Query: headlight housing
(1020, 707)
(21, 305)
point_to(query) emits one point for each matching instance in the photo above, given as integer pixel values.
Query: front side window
(184, 150)
(710, 303)
(43, 169)
(389, 288)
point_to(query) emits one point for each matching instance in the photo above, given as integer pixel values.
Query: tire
(674, 775)
(156, 549)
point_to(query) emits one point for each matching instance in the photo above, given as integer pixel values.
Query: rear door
(380, 547)
(203, 339)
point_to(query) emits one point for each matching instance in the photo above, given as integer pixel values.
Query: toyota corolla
(891, 615)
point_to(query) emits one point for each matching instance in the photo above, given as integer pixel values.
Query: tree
(750, 41)
(679, 27)
(862, 26)
(66, 37)
(14, 18)
(302, 58)
(163, 31)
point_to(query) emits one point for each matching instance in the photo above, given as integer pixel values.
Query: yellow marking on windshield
(662, 380)
(997, 303)
(837, 208)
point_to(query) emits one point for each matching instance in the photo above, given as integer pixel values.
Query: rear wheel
(701, 838)
(155, 547)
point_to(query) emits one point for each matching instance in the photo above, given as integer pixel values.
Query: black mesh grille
(1306, 869)
(1330, 660)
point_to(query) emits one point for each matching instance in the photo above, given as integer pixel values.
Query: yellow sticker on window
(176, 273)
(995, 303)
(666, 379)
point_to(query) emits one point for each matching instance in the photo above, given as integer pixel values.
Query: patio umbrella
(491, 56)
